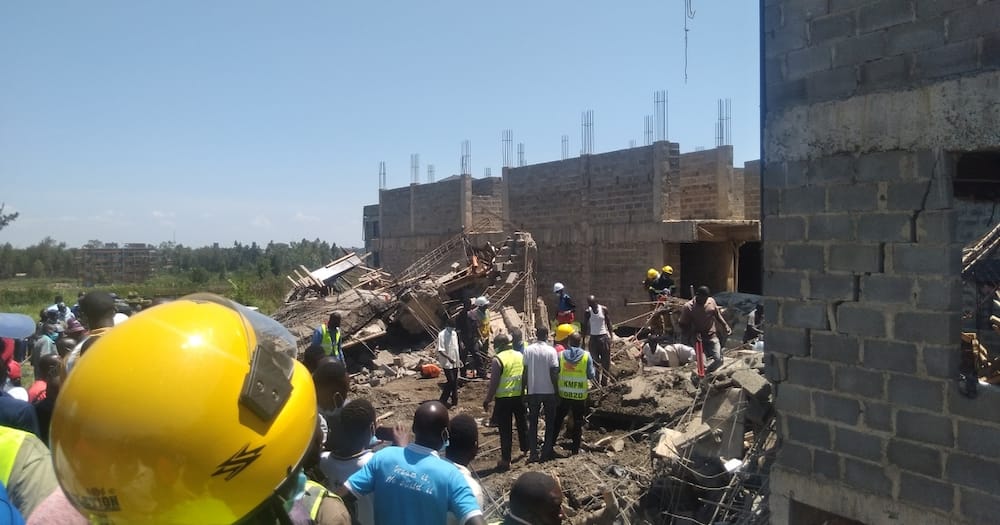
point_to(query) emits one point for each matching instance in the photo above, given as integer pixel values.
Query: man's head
(312, 356)
(98, 309)
(536, 497)
(354, 429)
(75, 329)
(759, 309)
(463, 439)
(332, 383)
(542, 333)
(575, 340)
(58, 300)
(65, 345)
(430, 425)
(517, 337)
(591, 301)
(333, 321)
(49, 367)
(501, 342)
(315, 451)
(701, 294)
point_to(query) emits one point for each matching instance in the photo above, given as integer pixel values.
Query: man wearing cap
(698, 319)
(507, 387)
(63, 313)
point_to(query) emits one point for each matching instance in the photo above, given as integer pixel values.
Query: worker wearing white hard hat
(565, 311)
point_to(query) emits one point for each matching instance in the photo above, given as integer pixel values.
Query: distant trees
(50, 258)
(6, 218)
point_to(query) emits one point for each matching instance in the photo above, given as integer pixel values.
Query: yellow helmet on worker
(669, 270)
(563, 331)
(652, 273)
(195, 411)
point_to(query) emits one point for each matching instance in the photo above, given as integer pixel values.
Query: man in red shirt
(698, 320)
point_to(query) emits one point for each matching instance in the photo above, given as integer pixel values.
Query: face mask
(300, 490)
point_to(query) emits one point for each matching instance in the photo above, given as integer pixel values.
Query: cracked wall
(865, 104)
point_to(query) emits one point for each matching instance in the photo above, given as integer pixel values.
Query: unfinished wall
(751, 190)
(394, 212)
(706, 185)
(864, 102)
(487, 204)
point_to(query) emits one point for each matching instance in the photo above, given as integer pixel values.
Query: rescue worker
(563, 331)
(665, 283)
(652, 276)
(480, 315)
(223, 441)
(566, 308)
(576, 369)
(597, 324)
(699, 318)
(327, 336)
(507, 386)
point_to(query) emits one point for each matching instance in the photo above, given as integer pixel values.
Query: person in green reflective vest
(327, 336)
(507, 386)
(576, 370)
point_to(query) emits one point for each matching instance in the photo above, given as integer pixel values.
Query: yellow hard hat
(195, 411)
(669, 270)
(652, 273)
(564, 330)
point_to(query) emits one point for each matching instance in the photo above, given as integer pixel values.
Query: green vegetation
(249, 274)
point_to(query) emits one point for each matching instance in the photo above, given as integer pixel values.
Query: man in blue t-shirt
(412, 485)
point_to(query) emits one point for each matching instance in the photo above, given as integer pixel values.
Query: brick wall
(864, 100)
(487, 204)
(436, 206)
(394, 209)
(706, 185)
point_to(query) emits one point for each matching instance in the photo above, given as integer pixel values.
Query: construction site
(661, 443)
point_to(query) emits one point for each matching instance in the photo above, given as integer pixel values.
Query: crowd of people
(198, 411)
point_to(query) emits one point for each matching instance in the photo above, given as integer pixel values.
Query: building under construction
(600, 221)
(129, 263)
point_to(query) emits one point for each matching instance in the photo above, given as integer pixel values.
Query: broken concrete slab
(753, 384)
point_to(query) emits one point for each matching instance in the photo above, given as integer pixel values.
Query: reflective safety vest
(512, 362)
(310, 502)
(573, 377)
(10, 444)
(330, 346)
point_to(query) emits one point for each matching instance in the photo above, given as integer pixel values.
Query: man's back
(539, 359)
(18, 414)
(412, 485)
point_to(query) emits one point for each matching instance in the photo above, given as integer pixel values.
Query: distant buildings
(132, 262)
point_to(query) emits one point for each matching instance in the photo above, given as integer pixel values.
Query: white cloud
(301, 217)
(261, 221)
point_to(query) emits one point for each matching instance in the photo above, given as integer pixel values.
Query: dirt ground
(623, 469)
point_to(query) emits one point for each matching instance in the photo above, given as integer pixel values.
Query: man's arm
(497, 370)
(721, 320)
(607, 320)
(317, 337)
(586, 321)
(590, 368)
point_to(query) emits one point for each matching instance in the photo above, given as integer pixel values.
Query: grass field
(30, 295)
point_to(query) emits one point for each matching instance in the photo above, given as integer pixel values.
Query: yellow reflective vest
(10, 444)
(331, 345)
(510, 377)
(573, 377)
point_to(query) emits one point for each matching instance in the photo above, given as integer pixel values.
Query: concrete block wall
(706, 184)
(394, 210)
(865, 104)
(437, 207)
(751, 190)
(487, 204)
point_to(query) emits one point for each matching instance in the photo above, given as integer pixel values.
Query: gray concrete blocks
(826, 464)
(858, 50)
(794, 400)
(973, 472)
(858, 444)
(802, 62)
(885, 72)
(830, 27)
(926, 492)
(932, 259)
(970, 439)
(836, 408)
(853, 257)
(906, 390)
(860, 320)
(806, 431)
(881, 288)
(826, 227)
(841, 82)
(884, 13)
(784, 228)
(925, 428)
(829, 346)
(917, 36)
(810, 373)
(795, 457)
(832, 287)
(858, 381)
(915, 458)
(952, 59)
(804, 314)
(926, 327)
(803, 257)
(975, 21)
(792, 341)
(885, 227)
(778, 283)
(867, 476)
(881, 354)
(878, 416)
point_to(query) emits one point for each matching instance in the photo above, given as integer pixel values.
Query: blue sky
(244, 120)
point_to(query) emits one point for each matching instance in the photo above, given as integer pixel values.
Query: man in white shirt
(351, 429)
(597, 323)
(541, 375)
(448, 358)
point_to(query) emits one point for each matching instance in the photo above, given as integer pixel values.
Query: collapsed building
(599, 221)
